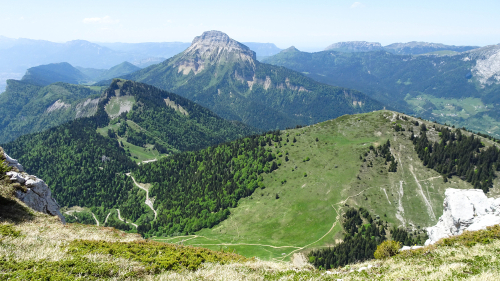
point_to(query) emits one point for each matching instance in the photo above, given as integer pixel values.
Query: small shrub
(8, 230)
(387, 249)
(4, 168)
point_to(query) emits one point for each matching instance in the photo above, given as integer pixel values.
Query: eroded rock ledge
(31, 190)
(468, 209)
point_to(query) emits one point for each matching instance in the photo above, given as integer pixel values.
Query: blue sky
(305, 24)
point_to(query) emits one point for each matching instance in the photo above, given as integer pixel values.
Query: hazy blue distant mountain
(142, 63)
(17, 55)
(167, 50)
(114, 72)
(149, 49)
(44, 75)
(410, 48)
(355, 46)
(263, 50)
(417, 48)
(224, 75)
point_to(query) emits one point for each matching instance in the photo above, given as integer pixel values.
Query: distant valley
(460, 89)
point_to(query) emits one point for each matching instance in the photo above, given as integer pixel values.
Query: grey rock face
(13, 163)
(216, 47)
(37, 195)
(464, 210)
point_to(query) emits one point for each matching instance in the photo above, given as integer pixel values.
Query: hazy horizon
(307, 26)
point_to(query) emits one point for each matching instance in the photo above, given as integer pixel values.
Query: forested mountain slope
(85, 160)
(462, 89)
(223, 75)
(144, 115)
(28, 108)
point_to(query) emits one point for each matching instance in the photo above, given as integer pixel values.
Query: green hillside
(297, 191)
(114, 72)
(28, 108)
(450, 89)
(223, 75)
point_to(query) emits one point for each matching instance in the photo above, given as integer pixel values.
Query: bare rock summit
(213, 47)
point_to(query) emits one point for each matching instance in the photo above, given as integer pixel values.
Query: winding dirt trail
(106, 220)
(120, 218)
(97, 221)
(148, 200)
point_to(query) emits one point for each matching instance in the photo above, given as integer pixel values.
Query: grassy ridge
(317, 190)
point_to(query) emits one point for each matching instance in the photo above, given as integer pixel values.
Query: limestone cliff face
(464, 210)
(31, 190)
(213, 47)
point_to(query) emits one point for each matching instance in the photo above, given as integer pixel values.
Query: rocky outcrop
(464, 210)
(31, 190)
(11, 162)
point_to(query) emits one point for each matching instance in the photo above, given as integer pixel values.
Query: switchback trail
(120, 218)
(148, 200)
(95, 219)
(106, 220)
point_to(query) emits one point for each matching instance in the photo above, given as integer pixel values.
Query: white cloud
(103, 20)
(357, 5)
(21, 18)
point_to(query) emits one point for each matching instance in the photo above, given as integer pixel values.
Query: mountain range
(17, 55)
(459, 89)
(410, 48)
(224, 75)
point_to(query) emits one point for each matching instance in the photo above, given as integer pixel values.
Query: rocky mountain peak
(213, 47)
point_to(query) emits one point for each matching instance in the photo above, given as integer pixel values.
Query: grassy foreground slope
(300, 207)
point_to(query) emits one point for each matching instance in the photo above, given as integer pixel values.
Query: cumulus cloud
(357, 5)
(104, 20)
